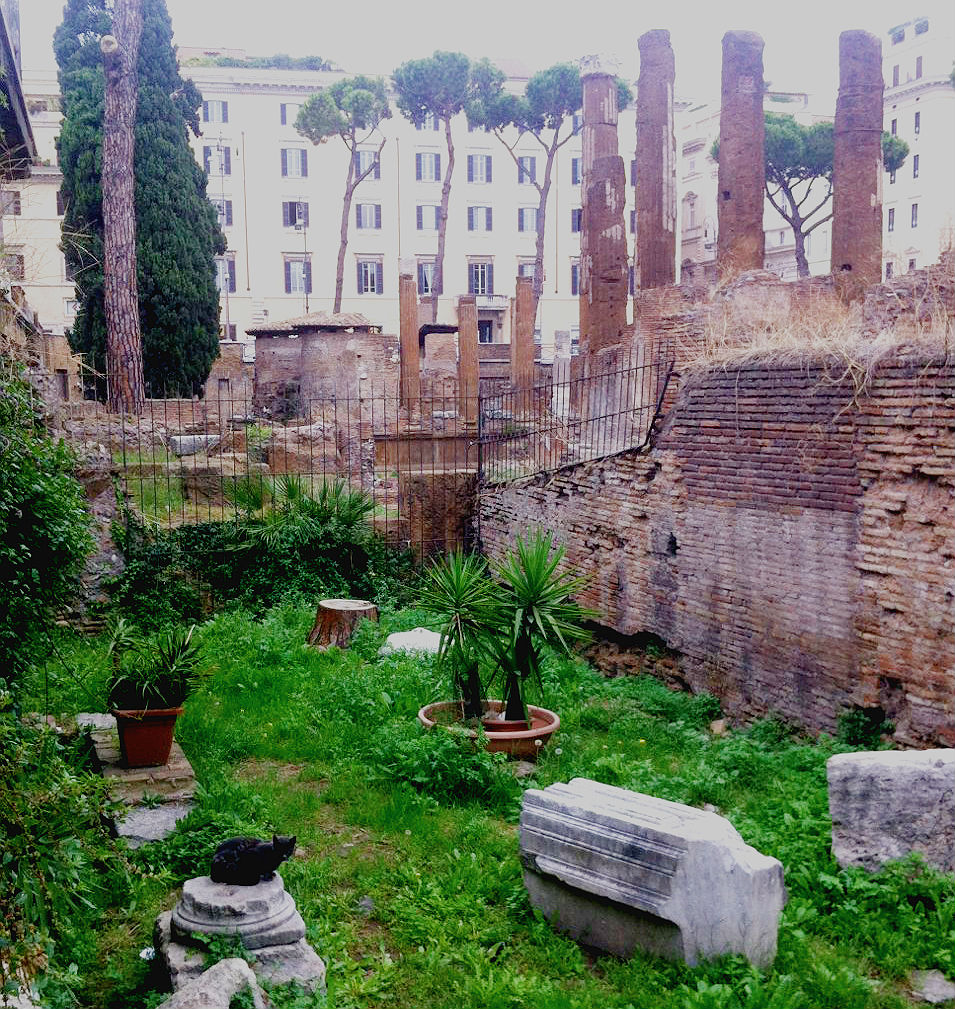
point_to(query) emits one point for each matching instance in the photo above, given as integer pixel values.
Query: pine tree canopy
(177, 231)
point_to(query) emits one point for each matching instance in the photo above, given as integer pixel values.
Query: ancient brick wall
(791, 537)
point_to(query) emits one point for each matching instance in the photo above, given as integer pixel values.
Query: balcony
(492, 302)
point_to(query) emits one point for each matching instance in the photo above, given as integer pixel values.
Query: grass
(409, 879)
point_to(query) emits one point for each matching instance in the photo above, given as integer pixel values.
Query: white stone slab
(886, 804)
(418, 640)
(622, 871)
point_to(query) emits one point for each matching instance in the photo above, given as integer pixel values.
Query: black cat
(244, 861)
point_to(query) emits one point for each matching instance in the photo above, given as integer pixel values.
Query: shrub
(44, 529)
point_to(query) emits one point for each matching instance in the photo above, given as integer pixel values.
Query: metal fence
(194, 460)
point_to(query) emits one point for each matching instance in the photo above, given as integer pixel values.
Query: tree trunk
(124, 354)
(438, 285)
(543, 192)
(336, 620)
(802, 263)
(343, 241)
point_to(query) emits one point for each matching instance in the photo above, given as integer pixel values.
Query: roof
(322, 321)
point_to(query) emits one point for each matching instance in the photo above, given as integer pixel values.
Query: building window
(481, 278)
(60, 203)
(527, 169)
(576, 170)
(217, 160)
(368, 215)
(918, 122)
(577, 122)
(890, 220)
(288, 113)
(898, 36)
(223, 211)
(10, 203)
(427, 166)
(298, 274)
(294, 214)
(70, 307)
(426, 284)
(479, 168)
(911, 264)
(894, 127)
(427, 216)
(921, 27)
(485, 331)
(367, 163)
(225, 274)
(370, 276)
(632, 280)
(915, 215)
(527, 218)
(575, 219)
(294, 163)
(918, 67)
(633, 222)
(915, 166)
(895, 76)
(215, 112)
(575, 278)
(633, 172)
(527, 268)
(480, 219)
(888, 271)
(429, 122)
(227, 331)
(16, 266)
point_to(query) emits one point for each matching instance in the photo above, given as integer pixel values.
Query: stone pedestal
(263, 916)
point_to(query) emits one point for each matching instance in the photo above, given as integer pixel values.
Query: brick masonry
(790, 536)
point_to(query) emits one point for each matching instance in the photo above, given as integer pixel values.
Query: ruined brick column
(468, 366)
(409, 365)
(857, 165)
(604, 266)
(522, 344)
(742, 171)
(656, 163)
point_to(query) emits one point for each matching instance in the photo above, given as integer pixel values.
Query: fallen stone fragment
(216, 987)
(418, 640)
(890, 803)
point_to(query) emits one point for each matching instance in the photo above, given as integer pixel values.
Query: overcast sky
(374, 36)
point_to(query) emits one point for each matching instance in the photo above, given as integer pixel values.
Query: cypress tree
(177, 232)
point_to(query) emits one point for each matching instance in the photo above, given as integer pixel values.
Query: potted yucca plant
(498, 619)
(150, 680)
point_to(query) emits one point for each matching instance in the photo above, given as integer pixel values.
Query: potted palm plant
(149, 682)
(499, 619)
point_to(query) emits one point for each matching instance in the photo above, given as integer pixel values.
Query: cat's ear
(275, 839)
(292, 841)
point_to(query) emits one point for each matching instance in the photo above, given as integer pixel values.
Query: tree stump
(336, 620)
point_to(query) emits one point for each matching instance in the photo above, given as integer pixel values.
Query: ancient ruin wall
(792, 539)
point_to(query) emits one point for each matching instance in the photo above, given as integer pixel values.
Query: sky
(374, 36)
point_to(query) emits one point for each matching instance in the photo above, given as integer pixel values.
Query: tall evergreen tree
(177, 230)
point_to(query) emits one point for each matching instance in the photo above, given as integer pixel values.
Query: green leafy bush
(44, 529)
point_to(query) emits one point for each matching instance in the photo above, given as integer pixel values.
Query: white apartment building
(919, 200)
(280, 199)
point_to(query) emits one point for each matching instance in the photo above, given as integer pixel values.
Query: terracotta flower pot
(145, 737)
(514, 742)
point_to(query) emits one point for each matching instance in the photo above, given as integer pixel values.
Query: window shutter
(488, 165)
(490, 278)
(377, 171)
(308, 277)
(361, 290)
(377, 215)
(288, 277)
(283, 114)
(437, 166)
(419, 217)
(228, 213)
(304, 163)
(225, 112)
(437, 281)
(379, 277)
(633, 172)
(206, 158)
(205, 112)
(487, 212)
(472, 278)
(284, 162)
(286, 215)
(417, 167)
(533, 167)
(227, 160)
(633, 221)
(470, 168)
(520, 218)
(231, 263)
(305, 214)
(470, 218)
(632, 280)
(357, 215)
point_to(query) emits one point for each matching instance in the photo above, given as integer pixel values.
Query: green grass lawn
(409, 879)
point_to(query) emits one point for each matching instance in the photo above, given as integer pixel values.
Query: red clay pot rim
(551, 719)
(140, 713)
